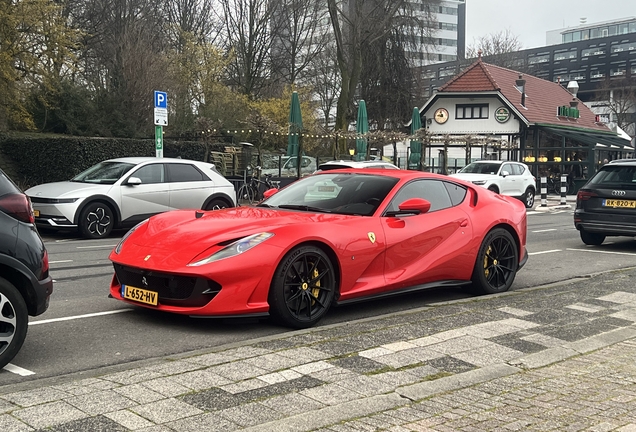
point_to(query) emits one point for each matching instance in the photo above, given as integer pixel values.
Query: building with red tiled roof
(541, 122)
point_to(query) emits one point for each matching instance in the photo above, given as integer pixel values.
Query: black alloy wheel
(303, 288)
(96, 220)
(497, 262)
(14, 319)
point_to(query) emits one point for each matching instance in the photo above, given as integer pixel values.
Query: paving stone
(331, 394)
(139, 393)
(167, 386)
(250, 414)
(49, 414)
(35, 397)
(93, 424)
(210, 422)
(100, 402)
(211, 400)
(11, 424)
(238, 370)
(272, 362)
(201, 379)
(166, 410)
(128, 420)
(358, 364)
(292, 403)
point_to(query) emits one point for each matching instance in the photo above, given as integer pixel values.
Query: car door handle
(463, 223)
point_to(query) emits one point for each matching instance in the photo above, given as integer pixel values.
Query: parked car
(502, 177)
(606, 204)
(25, 283)
(120, 193)
(340, 164)
(379, 232)
(288, 166)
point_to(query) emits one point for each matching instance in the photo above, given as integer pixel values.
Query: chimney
(573, 87)
(574, 103)
(521, 86)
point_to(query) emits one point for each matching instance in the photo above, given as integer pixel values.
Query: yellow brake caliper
(486, 271)
(316, 290)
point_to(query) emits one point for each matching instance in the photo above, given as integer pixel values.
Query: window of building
(623, 28)
(447, 57)
(627, 46)
(589, 52)
(473, 111)
(447, 10)
(632, 27)
(567, 37)
(565, 55)
(618, 69)
(447, 42)
(578, 75)
(539, 58)
(596, 74)
(447, 26)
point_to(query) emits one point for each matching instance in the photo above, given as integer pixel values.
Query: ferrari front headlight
(236, 248)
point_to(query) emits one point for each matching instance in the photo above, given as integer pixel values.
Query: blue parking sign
(161, 99)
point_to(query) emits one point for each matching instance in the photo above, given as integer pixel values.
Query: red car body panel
(372, 255)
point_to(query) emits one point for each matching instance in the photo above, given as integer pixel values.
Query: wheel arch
(332, 256)
(103, 199)
(217, 195)
(512, 232)
(11, 270)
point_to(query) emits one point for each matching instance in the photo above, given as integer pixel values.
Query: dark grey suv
(606, 204)
(25, 283)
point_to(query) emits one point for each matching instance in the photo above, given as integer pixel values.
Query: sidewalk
(558, 357)
(553, 202)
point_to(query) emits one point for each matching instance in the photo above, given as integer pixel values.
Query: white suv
(503, 177)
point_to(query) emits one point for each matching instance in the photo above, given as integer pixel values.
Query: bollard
(544, 191)
(564, 189)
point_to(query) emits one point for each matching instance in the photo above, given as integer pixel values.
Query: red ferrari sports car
(333, 237)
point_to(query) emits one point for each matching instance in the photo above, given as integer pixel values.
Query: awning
(592, 138)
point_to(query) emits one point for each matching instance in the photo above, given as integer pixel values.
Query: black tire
(96, 220)
(246, 195)
(528, 198)
(14, 320)
(217, 204)
(496, 265)
(592, 239)
(303, 288)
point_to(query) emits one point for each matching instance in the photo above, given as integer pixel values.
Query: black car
(25, 283)
(606, 204)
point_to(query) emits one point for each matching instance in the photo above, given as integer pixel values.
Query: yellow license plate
(36, 213)
(140, 295)
(619, 203)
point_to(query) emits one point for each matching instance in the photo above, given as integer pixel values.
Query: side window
(433, 191)
(149, 174)
(184, 173)
(506, 167)
(457, 193)
(517, 169)
(306, 162)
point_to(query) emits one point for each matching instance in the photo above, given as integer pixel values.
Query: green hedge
(37, 159)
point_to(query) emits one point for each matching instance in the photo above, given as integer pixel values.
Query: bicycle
(251, 190)
(554, 186)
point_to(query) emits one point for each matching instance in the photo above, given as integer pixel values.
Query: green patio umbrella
(362, 128)
(295, 126)
(416, 145)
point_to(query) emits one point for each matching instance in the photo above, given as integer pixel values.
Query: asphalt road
(84, 329)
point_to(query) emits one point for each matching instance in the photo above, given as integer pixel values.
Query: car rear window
(614, 176)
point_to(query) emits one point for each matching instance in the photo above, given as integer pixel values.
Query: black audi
(606, 204)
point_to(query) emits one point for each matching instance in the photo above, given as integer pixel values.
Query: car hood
(67, 189)
(474, 176)
(185, 229)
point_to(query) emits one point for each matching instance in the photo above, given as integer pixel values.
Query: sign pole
(159, 141)
(161, 120)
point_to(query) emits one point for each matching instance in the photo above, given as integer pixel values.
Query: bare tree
(247, 37)
(497, 48)
(619, 98)
(325, 83)
(357, 26)
(301, 35)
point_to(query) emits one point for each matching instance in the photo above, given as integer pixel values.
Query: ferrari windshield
(350, 193)
(104, 173)
(481, 168)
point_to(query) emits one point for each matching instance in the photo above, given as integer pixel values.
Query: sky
(529, 20)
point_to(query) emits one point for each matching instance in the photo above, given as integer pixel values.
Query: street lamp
(352, 151)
